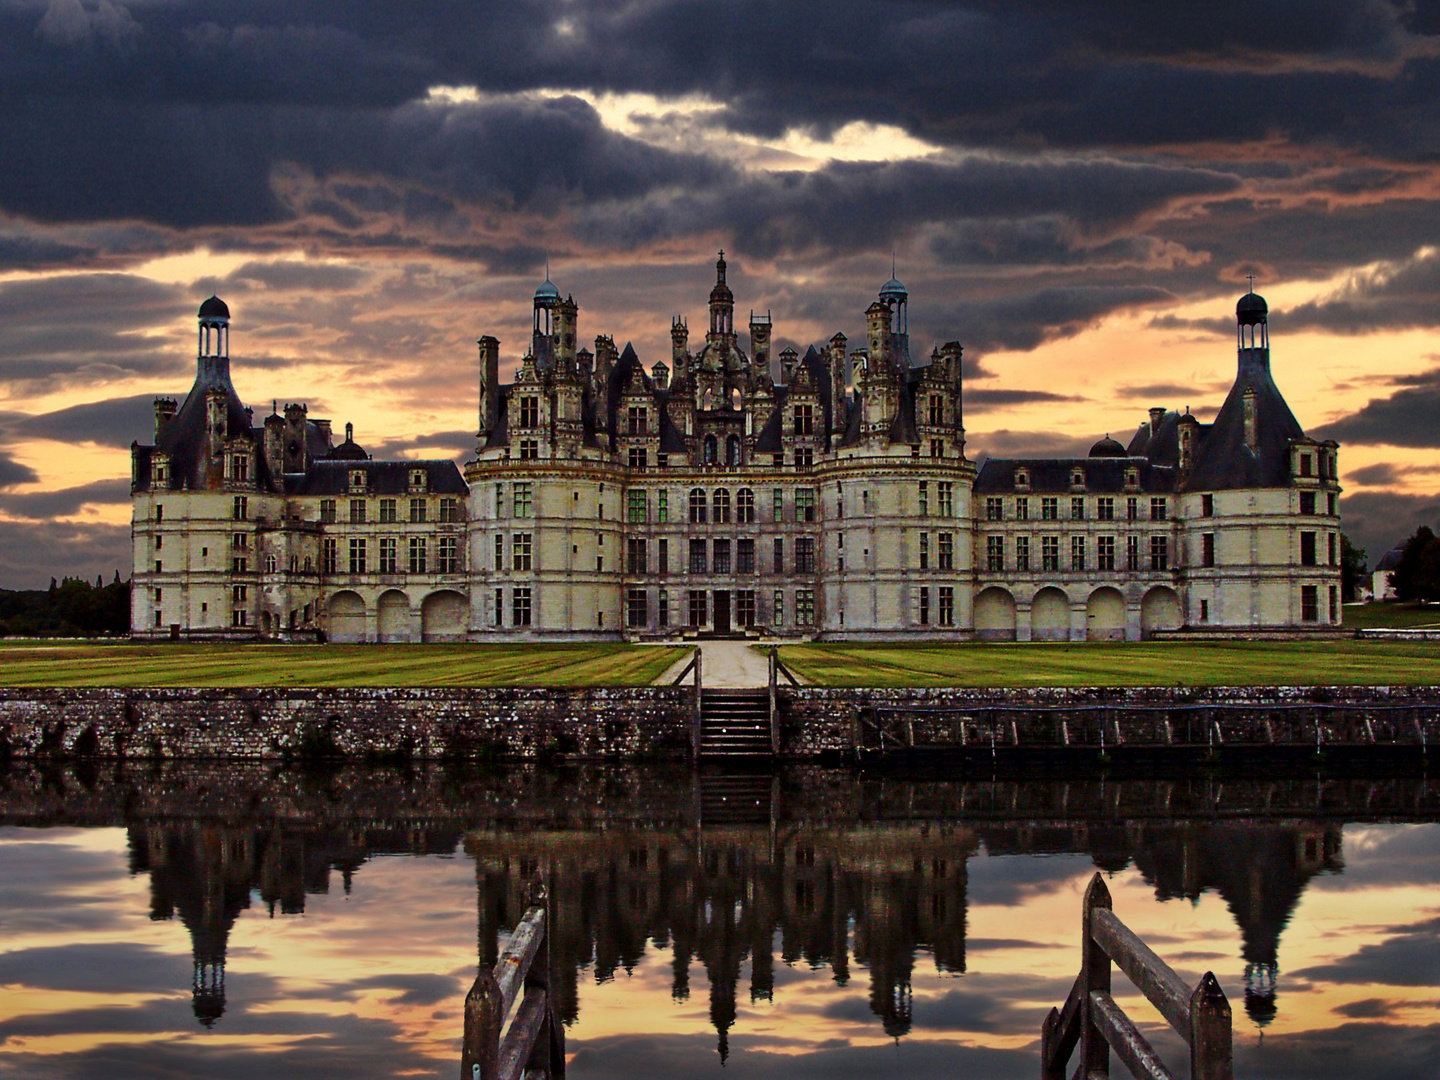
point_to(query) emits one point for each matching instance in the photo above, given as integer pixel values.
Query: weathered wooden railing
(696, 725)
(777, 668)
(1091, 1018)
(533, 1043)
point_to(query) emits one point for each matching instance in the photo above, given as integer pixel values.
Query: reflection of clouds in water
(1008, 880)
(1378, 855)
(1411, 957)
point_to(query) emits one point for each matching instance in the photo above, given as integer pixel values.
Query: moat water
(244, 921)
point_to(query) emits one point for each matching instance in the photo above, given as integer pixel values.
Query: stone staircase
(734, 723)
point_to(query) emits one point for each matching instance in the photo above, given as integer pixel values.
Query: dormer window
(1022, 478)
(1132, 478)
(1305, 465)
(529, 412)
(162, 472)
(417, 479)
(239, 467)
(1077, 478)
(357, 480)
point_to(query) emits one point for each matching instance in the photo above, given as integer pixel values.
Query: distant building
(1381, 587)
(728, 491)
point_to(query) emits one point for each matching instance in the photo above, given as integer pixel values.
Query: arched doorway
(995, 615)
(393, 616)
(443, 616)
(1050, 615)
(1105, 615)
(345, 617)
(1160, 610)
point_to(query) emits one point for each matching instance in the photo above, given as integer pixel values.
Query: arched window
(732, 450)
(722, 506)
(271, 564)
(697, 506)
(745, 506)
(711, 449)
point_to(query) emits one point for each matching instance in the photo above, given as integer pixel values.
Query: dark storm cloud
(1369, 1009)
(117, 422)
(1405, 418)
(1012, 397)
(44, 505)
(1397, 297)
(1410, 957)
(32, 552)
(114, 968)
(1026, 319)
(1379, 520)
(14, 472)
(1383, 475)
(1006, 443)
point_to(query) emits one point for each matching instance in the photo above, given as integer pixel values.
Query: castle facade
(729, 492)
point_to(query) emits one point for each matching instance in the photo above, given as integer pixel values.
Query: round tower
(722, 306)
(214, 338)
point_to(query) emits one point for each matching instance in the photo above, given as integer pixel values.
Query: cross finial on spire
(547, 266)
(1251, 279)
(892, 263)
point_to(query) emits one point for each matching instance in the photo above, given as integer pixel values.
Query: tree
(1417, 575)
(1352, 569)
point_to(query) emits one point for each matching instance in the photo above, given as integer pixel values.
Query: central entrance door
(722, 611)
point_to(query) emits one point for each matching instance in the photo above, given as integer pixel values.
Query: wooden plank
(1211, 1046)
(1094, 976)
(482, 1029)
(514, 963)
(1059, 1038)
(1151, 975)
(1125, 1039)
(521, 1035)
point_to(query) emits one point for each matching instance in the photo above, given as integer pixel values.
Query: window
(1332, 502)
(239, 594)
(329, 555)
(994, 553)
(697, 556)
(1305, 465)
(520, 606)
(638, 420)
(327, 511)
(777, 564)
(357, 480)
(636, 604)
(1207, 505)
(662, 507)
(638, 506)
(947, 605)
(499, 551)
(1330, 538)
(500, 500)
(1022, 508)
(447, 557)
(745, 607)
(159, 513)
(1132, 553)
(1309, 603)
(1159, 553)
(1105, 552)
(417, 555)
(924, 497)
(522, 498)
(1132, 508)
(1105, 508)
(239, 618)
(240, 508)
(1077, 508)
(1334, 604)
(662, 609)
(529, 449)
(357, 555)
(1157, 509)
(498, 612)
(804, 419)
(357, 511)
(1307, 549)
(1207, 549)
(1049, 508)
(1307, 502)
(635, 552)
(387, 511)
(239, 467)
(1077, 553)
(1050, 554)
(529, 412)
(721, 562)
(804, 555)
(945, 551)
(721, 504)
(418, 511)
(805, 607)
(698, 511)
(638, 457)
(240, 540)
(1022, 554)
(937, 410)
(709, 450)
(745, 556)
(804, 457)
(520, 551)
(237, 565)
(924, 551)
(661, 461)
(804, 504)
(387, 555)
(158, 593)
(699, 607)
(1204, 610)
(924, 605)
(271, 564)
(946, 492)
(662, 557)
(994, 508)
(449, 510)
(778, 607)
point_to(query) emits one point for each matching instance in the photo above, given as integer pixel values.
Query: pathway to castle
(727, 664)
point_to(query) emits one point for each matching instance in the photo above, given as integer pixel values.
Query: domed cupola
(214, 319)
(722, 309)
(892, 290)
(349, 450)
(1252, 317)
(1108, 448)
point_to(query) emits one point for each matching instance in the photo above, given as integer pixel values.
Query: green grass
(1249, 663)
(1393, 615)
(56, 663)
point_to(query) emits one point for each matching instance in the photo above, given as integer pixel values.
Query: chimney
(325, 433)
(679, 336)
(297, 447)
(1156, 415)
(164, 413)
(489, 385)
(274, 447)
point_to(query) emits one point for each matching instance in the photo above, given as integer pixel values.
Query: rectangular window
(924, 497)
(699, 607)
(329, 556)
(499, 500)
(804, 504)
(994, 554)
(1207, 505)
(804, 457)
(945, 551)
(1309, 603)
(638, 420)
(1158, 509)
(418, 555)
(805, 607)
(357, 511)
(1204, 610)
(745, 556)
(1077, 508)
(778, 607)
(699, 507)
(1050, 554)
(638, 457)
(1049, 508)
(1334, 555)
(447, 558)
(805, 555)
(529, 412)
(1077, 553)
(327, 511)
(994, 508)
(662, 557)
(947, 605)
(239, 618)
(662, 507)
(937, 410)
(635, 556)
(924, 551)
(638, 505)
(387, 511)
(520, 606)
(240, 508)
(1022, 508)
(804, 420)
(240, 466)
(924, 605)
(721, 561)
(1105, 508)
(1334, 604)
(697, 556)
(1333, 503)
(662, 608)
(1159, 553)
(1207, 549)
(499, 551)
(1307, 502)
(635, 608)
(745, 607)
(387, 555)
(419, 509)
(1307, 549)
(240, 540)
(1132, 553)
(1132, 508)
(945, 491)
(1305, 464)
(497, 613)
(449, 510)
(522, 496)
(520, 551)
(777, 564)
(529, 449)
(357, 555)
(238, 565)
(1022, 554)
(159, 513)
(745, 506)
(1105, 552)
(239, 594)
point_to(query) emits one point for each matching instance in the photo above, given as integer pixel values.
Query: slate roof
(1223, 461)
(184, 437)
(385, 478)
(1051, 476)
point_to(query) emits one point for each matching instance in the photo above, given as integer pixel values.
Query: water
(246, 921)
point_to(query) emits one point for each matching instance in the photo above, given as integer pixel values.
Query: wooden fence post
(1094, 975)
(482, 1028)
(1211, 1051)
(696, 725)
(774, 703)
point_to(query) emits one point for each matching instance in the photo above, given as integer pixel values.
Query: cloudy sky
(1074, 191)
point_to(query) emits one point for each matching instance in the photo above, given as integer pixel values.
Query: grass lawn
(1249, 663)
(58, 663)
(1393, 615)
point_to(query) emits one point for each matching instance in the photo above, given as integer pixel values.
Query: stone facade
(730, 491)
